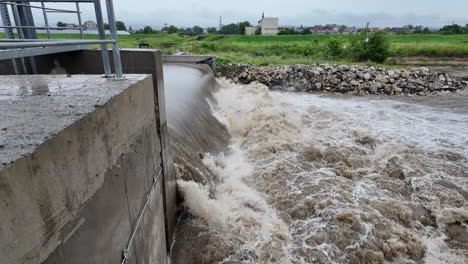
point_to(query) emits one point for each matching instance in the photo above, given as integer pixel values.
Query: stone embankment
(343, 79)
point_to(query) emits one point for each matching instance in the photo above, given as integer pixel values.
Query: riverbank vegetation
(417, 49)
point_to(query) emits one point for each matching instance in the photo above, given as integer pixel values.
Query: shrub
(335, 47)
(288, 31)
(370, 47)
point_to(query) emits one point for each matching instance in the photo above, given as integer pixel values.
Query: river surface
(308, 178)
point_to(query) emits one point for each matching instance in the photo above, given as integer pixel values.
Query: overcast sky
(380, 13)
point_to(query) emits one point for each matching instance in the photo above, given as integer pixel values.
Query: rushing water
(321, 179)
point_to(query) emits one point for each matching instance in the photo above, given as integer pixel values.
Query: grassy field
(297, 49)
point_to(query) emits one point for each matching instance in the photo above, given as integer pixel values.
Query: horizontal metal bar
(34, 27)
(19, 53)
(53, 1)
(29, 40)
(44, 8)
(62, 12)
(53, 43)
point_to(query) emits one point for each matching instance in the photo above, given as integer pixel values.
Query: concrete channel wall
(72, 189)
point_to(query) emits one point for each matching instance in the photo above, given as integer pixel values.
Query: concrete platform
(35, 108)
(77, 158)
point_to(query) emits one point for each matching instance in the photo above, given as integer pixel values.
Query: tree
(186, 31)
(60, 24)
(242, 26)
(288, 31)
(258, 31)
(106, 26)
(335, 47)
(197, 30)
(453, 30)
(231, 29)
(212, 30)
(342, 28)
(370, 47)
(147, 30)
(172, 29)
(418, 30)
(306, 31)
(120, 25)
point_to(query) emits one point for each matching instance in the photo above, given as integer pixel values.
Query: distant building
(251, 30)
(324, 31)
(267, 26)
(90, 24)
(70, 25)
(397, 30)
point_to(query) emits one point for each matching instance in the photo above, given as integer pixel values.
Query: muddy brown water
(272, 177)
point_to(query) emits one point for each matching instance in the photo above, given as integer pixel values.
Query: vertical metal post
(79, 19)
(26, 19)
(17, 65)
(102, 36)
(115, 45)
(46, 20)
(16, 16)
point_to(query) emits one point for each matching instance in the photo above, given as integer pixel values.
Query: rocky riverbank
(343, 79)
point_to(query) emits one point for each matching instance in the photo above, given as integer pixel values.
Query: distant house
(70, 25)
(323, 31)
(267, 26)
(397, 30)
(90, 24)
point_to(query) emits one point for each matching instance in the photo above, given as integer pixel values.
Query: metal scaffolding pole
(28, 46)
(46, 21)
(115, 45)
(80, 25)
(17, 65)
(102, 36)
(26, 19)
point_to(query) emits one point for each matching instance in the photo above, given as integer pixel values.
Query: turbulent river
(274, 177)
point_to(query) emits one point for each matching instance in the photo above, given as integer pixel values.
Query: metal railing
(27, 45)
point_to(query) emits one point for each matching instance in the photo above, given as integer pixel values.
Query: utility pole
(220, 22)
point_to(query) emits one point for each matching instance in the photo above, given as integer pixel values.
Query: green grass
(296, 49)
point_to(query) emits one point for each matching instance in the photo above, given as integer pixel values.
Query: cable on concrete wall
(125, 251)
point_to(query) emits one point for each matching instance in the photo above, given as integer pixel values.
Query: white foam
(333, 180)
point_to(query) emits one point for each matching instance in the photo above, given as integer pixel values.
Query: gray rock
(354, 79)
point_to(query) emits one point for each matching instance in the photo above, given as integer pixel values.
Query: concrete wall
(250, 30)
(133, 61)
(73, 186)
(269, 25)
(86, 194)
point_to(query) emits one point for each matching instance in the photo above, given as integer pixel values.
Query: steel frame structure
(28, 46)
